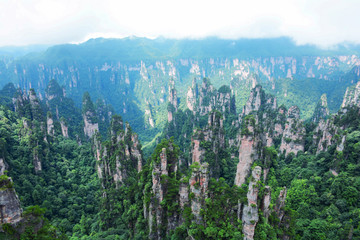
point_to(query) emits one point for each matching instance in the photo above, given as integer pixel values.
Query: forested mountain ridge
(134, 74)
(218, 173)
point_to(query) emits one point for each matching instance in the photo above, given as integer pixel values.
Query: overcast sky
(322, 22)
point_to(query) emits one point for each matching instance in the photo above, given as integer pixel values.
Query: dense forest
(217, 170)
(134, 74)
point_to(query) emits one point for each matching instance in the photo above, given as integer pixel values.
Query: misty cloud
(319, 22)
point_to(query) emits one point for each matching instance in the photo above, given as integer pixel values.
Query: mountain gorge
(134, 74)
(233, 157)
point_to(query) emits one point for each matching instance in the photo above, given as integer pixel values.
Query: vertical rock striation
(352, 96)
(321, 110)
(10, 210)
(250, 215)
(198, 188)
(64, 127)
(293, 136)
(91, 125)
(50, 124)
(124, 147)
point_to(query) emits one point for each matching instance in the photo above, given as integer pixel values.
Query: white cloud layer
(321, 22)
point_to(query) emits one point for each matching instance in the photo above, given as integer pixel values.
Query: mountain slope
(134, 74)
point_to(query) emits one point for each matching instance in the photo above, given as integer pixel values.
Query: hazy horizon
(323, 23)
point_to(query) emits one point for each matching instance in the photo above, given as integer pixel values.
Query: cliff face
(33, 123)
(254, 101)
(293, 136)
(50, 124)
(28, 105)
(331, 131)
(260, 124)
(267, 133)
(155, 209)
(124, 147)
(9, 203)
(352, 96)
(173, 104)
(264, 128)
(91, 125)
(324, 134)
(124, 81)
(191, 96)
(198, 188)
(64, 127)
(250, 215)
(247, 155)
(209, 140)
(203, 99)
(321, 110)
(161, 217)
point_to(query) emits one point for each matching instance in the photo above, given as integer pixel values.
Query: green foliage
(220, 221)
(34, 210)
(322, 197)
(249, 120)
(67, 185)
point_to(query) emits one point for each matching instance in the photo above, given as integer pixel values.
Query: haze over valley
(181, 120)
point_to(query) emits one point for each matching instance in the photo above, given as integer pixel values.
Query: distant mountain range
(134, 74)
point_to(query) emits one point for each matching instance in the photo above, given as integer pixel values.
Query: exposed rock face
(173, 98)
(254, 101)
(197, 151)
(36, 111)
(256, 133)
(250, 215)
(97, 147)
(33, 99)
(148, 116)
(321, 110)
(340, 147)
(9, 203)
(206, 98)
(158, 190)
(198, 186)
(163, 162)
(50, 125)
(135, 151)
(64, 128)
(329, 132)
(3, 166)
(126, 147)
(173, 104)
(36, 161)
(212, 135)
(184, 193)
(214, 132)
(280, 204)
(266, 202)
(90, 127)
(28, 105)
(163, 169)
(294, 132)
(247, 154)
(223, 99)
(19, 101)
(191, 96)
(53, 91)
(324, 135)
(352, 96)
